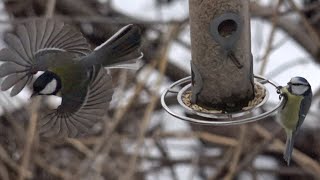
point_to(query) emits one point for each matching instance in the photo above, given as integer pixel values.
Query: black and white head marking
(50, 87)
(47, 84)
(299, 86)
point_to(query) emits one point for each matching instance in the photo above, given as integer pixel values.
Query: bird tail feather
(289, 148)
(132, 64)
(122, 48)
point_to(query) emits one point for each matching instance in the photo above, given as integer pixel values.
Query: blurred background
(138, 139)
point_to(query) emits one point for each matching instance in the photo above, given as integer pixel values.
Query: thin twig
(80, 146)
(148, 113)
(31, 134)
(227, 156)
(283, 171)
(51, 169)
(270, 40)
(195, 164)
(313, 6)
(50, 8)
(257, 149)
(305, 162)
(217, 139)
(93, 19)
(165, 155)
(237, 153)
(313, 33)
(4, 174)
(4, 157)
(108, 134)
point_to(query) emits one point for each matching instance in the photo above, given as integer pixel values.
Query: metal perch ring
(219, 119)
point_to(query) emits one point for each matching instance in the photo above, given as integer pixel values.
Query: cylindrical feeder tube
(222, 76)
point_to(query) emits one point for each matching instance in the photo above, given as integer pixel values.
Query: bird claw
(279, 92)
(278, 89)
(281, 95)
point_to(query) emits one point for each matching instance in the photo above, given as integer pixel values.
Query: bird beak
(34, 94)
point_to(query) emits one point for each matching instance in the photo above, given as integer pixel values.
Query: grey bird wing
(37, 36)
(76, 115)
(304, 108)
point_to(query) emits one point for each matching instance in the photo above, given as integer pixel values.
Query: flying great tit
(298, 98)
(70, 68)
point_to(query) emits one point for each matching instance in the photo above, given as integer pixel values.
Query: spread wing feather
(11, 80)
(72, 123)
(31, 38)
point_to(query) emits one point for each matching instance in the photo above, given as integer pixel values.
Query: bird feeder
(222, 89)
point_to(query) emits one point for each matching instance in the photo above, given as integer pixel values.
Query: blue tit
(298, 98)
(70, 68)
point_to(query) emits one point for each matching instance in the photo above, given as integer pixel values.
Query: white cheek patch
(50, 87)
(299, 89)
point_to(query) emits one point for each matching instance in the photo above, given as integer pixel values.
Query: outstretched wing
(38, 36)
(74, 117)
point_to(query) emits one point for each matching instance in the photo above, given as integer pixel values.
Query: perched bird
(298, 98)
(70, 69)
